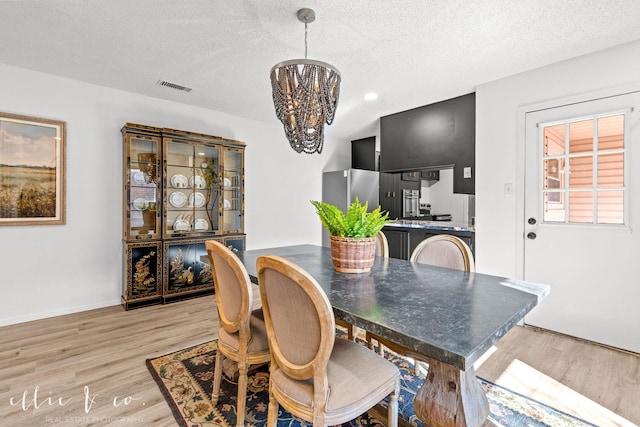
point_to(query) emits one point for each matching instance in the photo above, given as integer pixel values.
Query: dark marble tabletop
(446, 314)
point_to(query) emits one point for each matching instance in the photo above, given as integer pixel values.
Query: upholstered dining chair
(382, 250)
(314, 375)
(442, 250)
(242, 335)
(382, 245)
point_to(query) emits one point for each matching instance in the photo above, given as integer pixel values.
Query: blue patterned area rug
(186, 376)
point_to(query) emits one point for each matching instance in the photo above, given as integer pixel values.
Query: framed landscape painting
(32, 170)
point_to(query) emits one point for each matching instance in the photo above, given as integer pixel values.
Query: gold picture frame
(32, 170)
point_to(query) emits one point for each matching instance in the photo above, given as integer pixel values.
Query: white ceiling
(411, 52)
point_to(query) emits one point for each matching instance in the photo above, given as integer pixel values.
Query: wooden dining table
(449, 316)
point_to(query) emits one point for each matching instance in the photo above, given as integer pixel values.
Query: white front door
(582, 218)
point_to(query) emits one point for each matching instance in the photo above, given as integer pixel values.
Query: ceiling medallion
(305, 96)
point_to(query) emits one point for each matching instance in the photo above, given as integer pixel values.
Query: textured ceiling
(410, 52)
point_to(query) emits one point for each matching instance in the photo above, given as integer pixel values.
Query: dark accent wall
(439, 134)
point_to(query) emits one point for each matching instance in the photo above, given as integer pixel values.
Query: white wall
(53, 270)
(500, 142)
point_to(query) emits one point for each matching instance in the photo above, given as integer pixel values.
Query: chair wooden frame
(383, 244)
(314, 368)
(240, 324)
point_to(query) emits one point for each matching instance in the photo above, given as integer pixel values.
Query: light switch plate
(467, 172)
(508, 189)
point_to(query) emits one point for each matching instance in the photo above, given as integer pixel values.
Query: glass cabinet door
(142, 184)
(232, 190)
(192, 189)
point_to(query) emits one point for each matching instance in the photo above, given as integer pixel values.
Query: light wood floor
(89, 368)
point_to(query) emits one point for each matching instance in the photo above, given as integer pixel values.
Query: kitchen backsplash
(444, 201)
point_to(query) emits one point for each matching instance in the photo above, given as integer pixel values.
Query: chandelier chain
(305, 40)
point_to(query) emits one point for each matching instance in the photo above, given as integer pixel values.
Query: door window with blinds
(583, 172)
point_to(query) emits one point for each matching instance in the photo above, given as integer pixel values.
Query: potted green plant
(353, 234)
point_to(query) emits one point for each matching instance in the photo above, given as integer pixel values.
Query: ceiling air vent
(173, 86)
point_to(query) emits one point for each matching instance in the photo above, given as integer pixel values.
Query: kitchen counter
(431, 225)
(404, 235)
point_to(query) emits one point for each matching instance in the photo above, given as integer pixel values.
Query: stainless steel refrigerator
(341, 188)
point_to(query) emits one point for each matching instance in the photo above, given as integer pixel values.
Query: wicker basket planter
(353, 255)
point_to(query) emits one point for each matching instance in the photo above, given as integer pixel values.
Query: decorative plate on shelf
(200, 224)
(178, 199)
(138, 178)
(181, 225)
(197, 200)
(227, 183)
(197, 181)
(227, 204)
(140, 204)
(179, 181)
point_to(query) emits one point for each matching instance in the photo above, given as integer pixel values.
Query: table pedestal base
(450, 397)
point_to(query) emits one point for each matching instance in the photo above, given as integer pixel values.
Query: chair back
(382, 245)
(290, 296)
(444, 250)
(234, 297)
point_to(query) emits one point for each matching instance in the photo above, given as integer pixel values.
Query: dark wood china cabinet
(179, 190)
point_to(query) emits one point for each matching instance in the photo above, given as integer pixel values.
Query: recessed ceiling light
(371, 96)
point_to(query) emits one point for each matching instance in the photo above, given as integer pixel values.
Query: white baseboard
(47, 314)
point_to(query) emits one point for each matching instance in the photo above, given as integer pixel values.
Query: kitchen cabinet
(403, 240)
(438, 135)
(430, 175)
(390, 187)
(364, 154)
(398, 243)
(391, 194)
(410, 176)
(417, 236)
(179, 189)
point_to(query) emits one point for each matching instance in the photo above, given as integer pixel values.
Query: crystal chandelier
(305, 96)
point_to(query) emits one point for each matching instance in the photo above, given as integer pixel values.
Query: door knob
(531, 221)
(531, 235)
